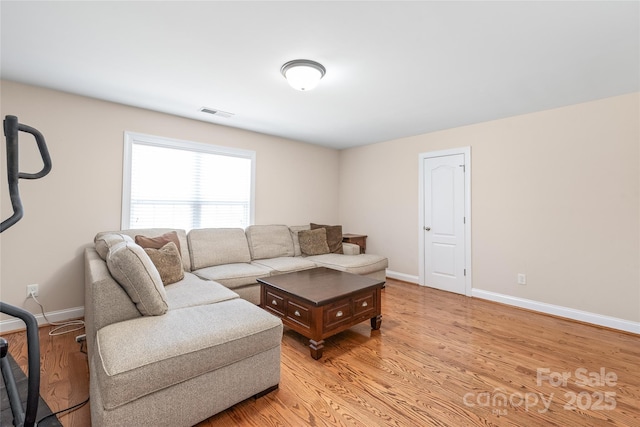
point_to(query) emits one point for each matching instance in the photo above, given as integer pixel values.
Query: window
(181, 184)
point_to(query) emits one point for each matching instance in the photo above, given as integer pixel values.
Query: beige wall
(295, 183)
(555, 195)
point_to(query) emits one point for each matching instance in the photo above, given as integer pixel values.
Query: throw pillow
(132, 268)
(104, 241)
(159, 241)
(168, 262)
(313, 242)
(334, 237)
(294, 229)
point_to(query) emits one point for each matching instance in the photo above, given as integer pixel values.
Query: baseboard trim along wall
(14, 324)
(556, 310)
(403, 277)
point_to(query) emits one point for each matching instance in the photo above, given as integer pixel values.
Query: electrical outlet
(522, 279)
(32, 289)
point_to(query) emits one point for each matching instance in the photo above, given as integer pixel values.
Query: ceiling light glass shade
(303, 74)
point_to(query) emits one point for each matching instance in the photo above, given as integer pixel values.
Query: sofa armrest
(350, 249)
(106, 302)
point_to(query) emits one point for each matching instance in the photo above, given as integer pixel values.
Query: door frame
(466, 151)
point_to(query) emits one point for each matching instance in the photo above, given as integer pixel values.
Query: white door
(444, 223)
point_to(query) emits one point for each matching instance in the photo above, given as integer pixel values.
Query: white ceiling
(394, 69)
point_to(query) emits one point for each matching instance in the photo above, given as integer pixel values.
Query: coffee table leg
(376, 322)
(316, 348)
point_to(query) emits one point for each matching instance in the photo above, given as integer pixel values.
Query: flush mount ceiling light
(303, 74)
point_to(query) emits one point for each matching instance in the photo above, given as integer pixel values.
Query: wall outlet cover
(32, 288)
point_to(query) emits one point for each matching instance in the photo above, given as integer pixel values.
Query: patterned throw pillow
(334, 237)
(313, 242)
(168, 262)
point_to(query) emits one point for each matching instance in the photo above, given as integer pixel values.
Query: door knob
(428, 228)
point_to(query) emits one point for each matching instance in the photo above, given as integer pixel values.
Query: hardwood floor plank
(439, 359)
(64, 374)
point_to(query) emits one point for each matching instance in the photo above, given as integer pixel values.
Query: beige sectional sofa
(236, 258)
(176, 354)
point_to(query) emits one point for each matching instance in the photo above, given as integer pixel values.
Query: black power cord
(70, 409)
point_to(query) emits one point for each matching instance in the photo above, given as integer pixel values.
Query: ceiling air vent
(215, 112)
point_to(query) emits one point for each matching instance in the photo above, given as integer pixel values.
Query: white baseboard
(403, 277)
(54, 316)
(556, 310)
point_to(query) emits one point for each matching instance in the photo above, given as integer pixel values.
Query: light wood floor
(439, 359)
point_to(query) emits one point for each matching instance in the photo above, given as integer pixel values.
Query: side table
(357, 239)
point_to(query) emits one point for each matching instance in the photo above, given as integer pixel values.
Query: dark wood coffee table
(321, 302)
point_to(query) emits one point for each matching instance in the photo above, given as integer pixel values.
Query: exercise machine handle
(11, 129)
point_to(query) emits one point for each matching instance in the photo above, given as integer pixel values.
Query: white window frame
(131, 138)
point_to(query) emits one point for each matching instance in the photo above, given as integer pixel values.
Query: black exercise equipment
(21, 417)
(11, 129)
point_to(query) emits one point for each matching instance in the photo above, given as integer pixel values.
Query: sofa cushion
(183, 344)
(104, 241)
(192, 290)
(168, 262)
(132, 268)
(155, 232)
(269, 241)
(294, 229)
(356, 264)
(334, 236)
(159, 241)
(313, 242)
(285, 264)
(234, 275)
(217, 246)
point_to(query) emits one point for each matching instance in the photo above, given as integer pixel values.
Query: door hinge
(464, 219)
(465, 271)
(464, 169)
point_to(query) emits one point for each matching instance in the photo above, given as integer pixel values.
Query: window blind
(186, 186)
